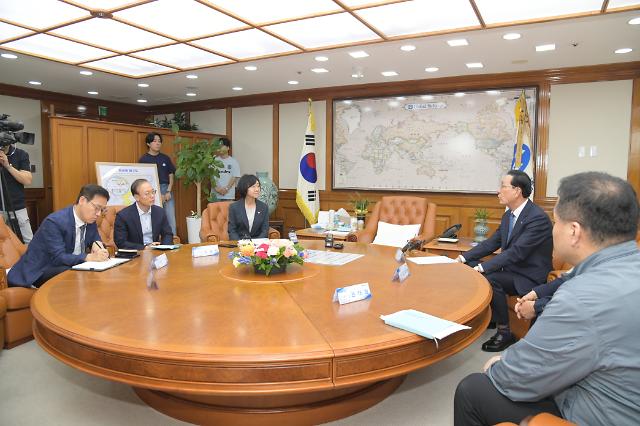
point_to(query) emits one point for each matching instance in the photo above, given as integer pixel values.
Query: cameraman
(16, 173)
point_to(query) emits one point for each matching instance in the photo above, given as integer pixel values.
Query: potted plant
(481, 229)
(196, 164)
(360, 206)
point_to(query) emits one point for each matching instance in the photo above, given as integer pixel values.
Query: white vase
(193, 229)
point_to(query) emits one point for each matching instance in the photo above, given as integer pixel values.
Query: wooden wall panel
(69, 157)
(99, 148)
(125, 145)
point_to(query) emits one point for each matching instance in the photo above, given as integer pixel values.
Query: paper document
(99, 266)
(165, 246)
(422, 324)
(321, 257)
(431, 260)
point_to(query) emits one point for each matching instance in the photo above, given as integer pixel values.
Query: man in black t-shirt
(166, 171)
(16, 173)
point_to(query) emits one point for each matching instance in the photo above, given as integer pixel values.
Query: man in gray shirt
(580, 359)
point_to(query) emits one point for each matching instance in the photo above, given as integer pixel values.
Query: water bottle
(332, 220)
(292, 236)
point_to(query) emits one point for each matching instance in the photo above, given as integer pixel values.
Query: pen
(101, 245)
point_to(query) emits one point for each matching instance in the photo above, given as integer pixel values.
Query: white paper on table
(431, 260)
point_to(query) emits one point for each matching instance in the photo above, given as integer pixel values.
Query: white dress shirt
(145, 223)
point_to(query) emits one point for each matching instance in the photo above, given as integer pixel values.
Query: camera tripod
(7, 206)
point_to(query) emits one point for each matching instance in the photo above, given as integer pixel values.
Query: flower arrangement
(265, 257)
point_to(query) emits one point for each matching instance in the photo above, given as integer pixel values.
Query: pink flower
(289, 251)
(261, 253)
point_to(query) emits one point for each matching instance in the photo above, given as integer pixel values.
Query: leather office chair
(3, 313)
(542, 419)
(18, 319)
(399, 210)
(215, 223)
(106, 224)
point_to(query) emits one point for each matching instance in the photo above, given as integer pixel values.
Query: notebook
(99, 266)
(165, 246)
(422, 324)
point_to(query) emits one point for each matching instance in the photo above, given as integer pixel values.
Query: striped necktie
(83, 229)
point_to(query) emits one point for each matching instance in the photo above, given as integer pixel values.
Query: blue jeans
(169, 208)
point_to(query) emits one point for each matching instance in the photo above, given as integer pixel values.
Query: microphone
(412, 245)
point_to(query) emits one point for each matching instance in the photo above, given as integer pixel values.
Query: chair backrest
(106, 223)
(215, 222)
(11, 248)
(405, 210)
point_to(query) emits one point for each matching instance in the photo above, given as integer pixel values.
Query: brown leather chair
(106, 223)
(215, 223)
(18, 320)
(3, 313)
(399, 210)
(542, 419)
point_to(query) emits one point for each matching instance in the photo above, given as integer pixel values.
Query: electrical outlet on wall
(593, 151)
(582, 152)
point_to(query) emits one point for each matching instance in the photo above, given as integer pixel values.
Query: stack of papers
(422, 324)
(321, 257)
(99, 266)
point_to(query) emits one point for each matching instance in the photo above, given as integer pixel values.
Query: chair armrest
(176, 239)
(210, 238)
(362, 236)
(273, 234)
(546, 419)
(3, 278)
(555, 274)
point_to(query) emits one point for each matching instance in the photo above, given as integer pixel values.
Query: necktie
(512, 223)
(83, 228)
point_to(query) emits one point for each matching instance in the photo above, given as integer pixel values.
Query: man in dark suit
(248, 216)
(62, 240)
(525, 239)
(142, 224)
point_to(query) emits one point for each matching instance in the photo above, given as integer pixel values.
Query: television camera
(10, 132)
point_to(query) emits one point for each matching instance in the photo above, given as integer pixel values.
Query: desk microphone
(412, 245)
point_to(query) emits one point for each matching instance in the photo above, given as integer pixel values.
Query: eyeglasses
(97, 208)
(149, 193)
(506, 186)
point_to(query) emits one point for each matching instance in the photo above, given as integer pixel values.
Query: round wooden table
(219, 345)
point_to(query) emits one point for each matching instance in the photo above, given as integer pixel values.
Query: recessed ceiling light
(431, 69)
(459, 94)
(511, 36)
(634, 21)
(426, 97)
(624, 50)
(9, 56)
(321, 58)
(400, 98)
(82, 108)
(357, 75)
(292, 82)
(408, 48)
(389, 73)
(250, 68)
(142, 101)
(492, 92)
(319, 70)
(236, 88)
(190, 94)
(93, 92)
(475, 65)
(192, 76)
(545, 47)
(458, 42)
(359, 54)
(393, 103)
(85, 72)
(348, 102)
(35, 83)
(143, 85)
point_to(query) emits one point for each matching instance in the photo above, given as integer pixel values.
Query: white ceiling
(173, 38)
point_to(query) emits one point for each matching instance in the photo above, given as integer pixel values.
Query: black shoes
(499, 342)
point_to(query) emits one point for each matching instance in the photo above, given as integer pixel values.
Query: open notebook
(99, 266)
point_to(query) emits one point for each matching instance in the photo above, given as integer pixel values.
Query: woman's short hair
(246, 182)
(151, 136)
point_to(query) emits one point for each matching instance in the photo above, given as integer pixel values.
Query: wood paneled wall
(76, 145)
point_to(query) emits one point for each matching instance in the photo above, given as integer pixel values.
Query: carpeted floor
(36, 389)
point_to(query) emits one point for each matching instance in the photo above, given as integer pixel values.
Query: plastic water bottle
(332, 220)
(292, 236)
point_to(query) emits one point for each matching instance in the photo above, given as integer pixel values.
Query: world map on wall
(442, 142)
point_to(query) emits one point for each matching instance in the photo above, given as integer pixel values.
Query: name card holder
(352, 293)
(402, 273)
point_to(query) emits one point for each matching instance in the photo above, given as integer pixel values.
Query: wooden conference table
(219, 345)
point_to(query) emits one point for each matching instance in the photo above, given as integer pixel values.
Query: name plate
(401, 273)
(352, 293)
(160, 261)
(208, 250)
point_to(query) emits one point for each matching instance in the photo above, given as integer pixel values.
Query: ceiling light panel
(420, 16)
(322, 31)
(246, 44)
(56, 48)
(181, 56)
(260, 11)
(111, 35)
(40, 13)
(129, 66)
(500, 11)
(8, 31)
(613, 4)
(197, 19)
